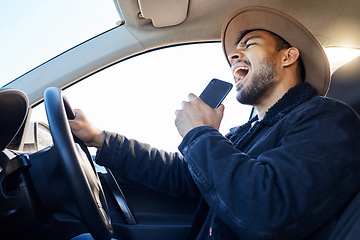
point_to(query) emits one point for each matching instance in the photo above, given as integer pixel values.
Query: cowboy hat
(316, 64)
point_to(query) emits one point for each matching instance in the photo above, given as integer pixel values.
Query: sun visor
(13, 111)
(164, 13)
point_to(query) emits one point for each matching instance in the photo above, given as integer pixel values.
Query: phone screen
(215, 92)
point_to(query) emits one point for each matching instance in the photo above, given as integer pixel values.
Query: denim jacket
(287, 176)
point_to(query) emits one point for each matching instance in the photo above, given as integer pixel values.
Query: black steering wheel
(78, 168)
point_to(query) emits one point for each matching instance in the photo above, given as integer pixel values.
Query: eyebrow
(243, 43)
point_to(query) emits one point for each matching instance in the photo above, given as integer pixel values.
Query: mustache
(243, 61)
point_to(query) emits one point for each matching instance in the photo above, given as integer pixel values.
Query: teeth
(240, 72)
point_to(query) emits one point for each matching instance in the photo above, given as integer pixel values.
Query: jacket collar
(293, 98)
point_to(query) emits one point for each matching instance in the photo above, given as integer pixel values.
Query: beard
(260, 86)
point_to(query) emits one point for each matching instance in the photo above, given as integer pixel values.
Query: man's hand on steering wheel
(85, 130)
(76, 162)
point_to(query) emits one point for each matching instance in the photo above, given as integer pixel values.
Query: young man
(287, 173)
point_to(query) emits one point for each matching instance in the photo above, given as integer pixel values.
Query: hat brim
(316, 64)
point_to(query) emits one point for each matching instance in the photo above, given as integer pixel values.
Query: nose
(235, 55)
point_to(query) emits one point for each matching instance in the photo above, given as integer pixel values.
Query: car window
(138, 97)
(33, 32)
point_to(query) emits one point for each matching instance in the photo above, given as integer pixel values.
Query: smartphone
(215, 92)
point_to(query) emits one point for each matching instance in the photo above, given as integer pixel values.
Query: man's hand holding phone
(196, 112)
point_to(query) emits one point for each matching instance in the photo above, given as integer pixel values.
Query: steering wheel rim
(80, 174)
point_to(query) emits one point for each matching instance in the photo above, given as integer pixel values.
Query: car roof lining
(319, 20)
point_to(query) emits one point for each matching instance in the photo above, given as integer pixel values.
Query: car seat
(345, 86)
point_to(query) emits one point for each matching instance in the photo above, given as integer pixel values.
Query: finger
(78, 114)
(182, 104)
(78, 111)
(220, 110)
(221, 107)
(192, 97)
(74, 125)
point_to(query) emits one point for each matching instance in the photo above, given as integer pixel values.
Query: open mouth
(240, 72)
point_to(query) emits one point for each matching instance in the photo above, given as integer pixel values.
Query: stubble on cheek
(259, 84)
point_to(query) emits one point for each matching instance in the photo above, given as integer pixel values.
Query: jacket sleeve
(310, 171)
(153, 168)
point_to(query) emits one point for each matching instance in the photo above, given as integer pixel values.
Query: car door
(138, 98)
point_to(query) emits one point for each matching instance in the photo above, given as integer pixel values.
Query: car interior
(51, 188)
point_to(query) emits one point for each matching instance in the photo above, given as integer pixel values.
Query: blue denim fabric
(286, 177)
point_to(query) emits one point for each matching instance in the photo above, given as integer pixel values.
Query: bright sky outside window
(33, 32)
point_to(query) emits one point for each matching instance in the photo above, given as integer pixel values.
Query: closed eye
(249, 45)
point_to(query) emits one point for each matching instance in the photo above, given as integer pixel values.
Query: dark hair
(280, 45)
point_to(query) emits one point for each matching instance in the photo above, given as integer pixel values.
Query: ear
(290, 56)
